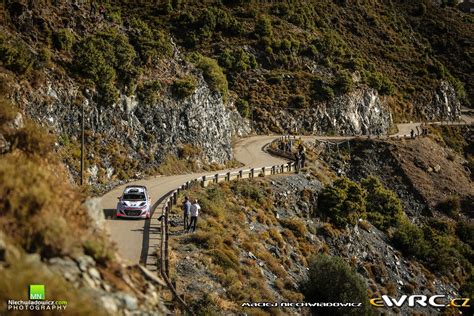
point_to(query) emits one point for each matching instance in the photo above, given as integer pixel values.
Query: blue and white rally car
(134, 203)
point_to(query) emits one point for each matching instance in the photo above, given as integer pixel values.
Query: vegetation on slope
(434, 241)
(331, 279)
(225, 252)
(40, 212)
(390, 44)
(287, 54)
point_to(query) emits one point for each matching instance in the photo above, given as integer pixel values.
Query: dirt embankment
(422, 172)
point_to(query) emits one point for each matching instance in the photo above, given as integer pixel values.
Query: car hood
(134, 203)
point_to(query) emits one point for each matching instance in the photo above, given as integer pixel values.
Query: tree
(264, 27)
(343, 202)
(213, 75)
(333, 280)
(384, 208)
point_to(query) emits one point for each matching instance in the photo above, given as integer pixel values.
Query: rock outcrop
(361, 111)
(134, 129)
(442, 104)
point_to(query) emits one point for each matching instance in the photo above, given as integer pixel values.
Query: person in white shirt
(195, 208)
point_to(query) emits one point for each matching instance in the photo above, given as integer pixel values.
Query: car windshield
(134, 197)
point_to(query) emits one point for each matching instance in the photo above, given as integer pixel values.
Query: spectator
(186, 212)
(102, 11)
(298, 162)
(93, 10)
(195, 207)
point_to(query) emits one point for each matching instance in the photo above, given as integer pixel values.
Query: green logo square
(37, 292)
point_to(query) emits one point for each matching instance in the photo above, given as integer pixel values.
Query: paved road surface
(134, 246)
(128, 234)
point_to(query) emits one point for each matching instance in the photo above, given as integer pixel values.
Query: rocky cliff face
(441, 104)
(138, 131)
(361, 111)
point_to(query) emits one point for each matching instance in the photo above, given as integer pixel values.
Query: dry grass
(223, 242)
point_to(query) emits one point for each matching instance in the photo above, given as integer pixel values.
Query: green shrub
(15, 55)
(64, 40)
(344, 82)
(150, 43)
(298, 101)
(381, 83)
(410, 240)
(243, 108)
(465, 231)
(213, 75)
(237, 60)
(322, 91)
(43, 59)
(438, 69)
(250, 190)
(343, 202)
(183, 88)
(150, 91)
(331, 279)
(384, 208)
(263, 27)
(451, 206)
(106, 58)
(332, 44)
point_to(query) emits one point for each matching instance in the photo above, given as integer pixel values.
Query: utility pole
(82, 144)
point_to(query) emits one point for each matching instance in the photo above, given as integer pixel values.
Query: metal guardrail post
(175, 197)
(228, 176)
(203, 183)
(252, 173)
(263, 171)
(216, 178)
(167, 261)
(241, 174)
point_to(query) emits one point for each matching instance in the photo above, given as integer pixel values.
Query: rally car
(134, 203)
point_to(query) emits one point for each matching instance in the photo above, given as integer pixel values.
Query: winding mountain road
(137, 240)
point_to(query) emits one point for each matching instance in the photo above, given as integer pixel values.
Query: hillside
(401, 229)
(169, 87)
(50, 234)
(168, 79)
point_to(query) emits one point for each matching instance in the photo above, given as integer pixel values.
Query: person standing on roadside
(195, 208)
(298, 162)
(303, 159)
(102, 12)
(93, 8)
(186, 212)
